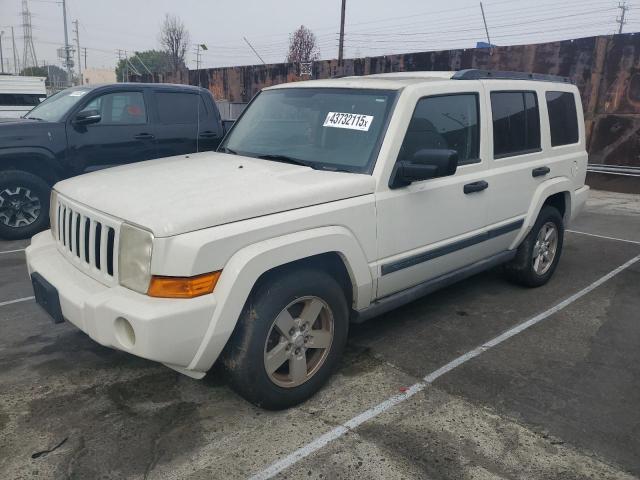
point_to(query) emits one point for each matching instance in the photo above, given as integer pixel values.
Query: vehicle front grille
(88, 239)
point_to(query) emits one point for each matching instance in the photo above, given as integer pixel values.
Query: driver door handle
(208, 134)
(143, 136)
(475, 187)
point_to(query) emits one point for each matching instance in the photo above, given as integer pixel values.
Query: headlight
(134, 258)
(53, 213)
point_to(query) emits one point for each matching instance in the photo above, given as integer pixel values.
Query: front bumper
(164, 330)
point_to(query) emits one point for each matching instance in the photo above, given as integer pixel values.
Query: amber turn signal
(183, 287)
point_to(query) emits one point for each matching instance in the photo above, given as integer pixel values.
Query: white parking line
(604, 236)
(17, 300)
(340, 430)
(12, 251)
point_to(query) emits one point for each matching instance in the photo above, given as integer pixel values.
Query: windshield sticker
(352, 121)
(77, 93)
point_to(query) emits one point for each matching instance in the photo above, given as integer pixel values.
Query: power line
(526, 21)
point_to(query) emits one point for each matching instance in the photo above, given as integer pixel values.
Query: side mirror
(423, 165)
(87, 117)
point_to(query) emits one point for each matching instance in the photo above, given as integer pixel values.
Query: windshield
(325, 128)
(55, 107)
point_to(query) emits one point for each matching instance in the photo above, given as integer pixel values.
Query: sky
(373, 27)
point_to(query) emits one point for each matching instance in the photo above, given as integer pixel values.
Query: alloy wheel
(298, 342)
(19, 207)
(545, 248)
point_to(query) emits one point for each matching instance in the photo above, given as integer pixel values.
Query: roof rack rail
(476, 74)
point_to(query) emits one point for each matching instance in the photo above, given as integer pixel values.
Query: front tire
(289, 338)
(538, 255)
(24, 204)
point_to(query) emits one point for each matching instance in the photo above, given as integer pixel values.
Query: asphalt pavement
(435, 389)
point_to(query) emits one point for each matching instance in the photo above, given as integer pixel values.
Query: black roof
(476, 74)
(126, 85)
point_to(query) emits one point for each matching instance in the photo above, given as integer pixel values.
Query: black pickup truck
(91, 127)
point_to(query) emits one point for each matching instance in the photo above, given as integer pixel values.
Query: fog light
(125, 333)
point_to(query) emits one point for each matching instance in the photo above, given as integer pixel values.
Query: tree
(174, 38)
(56, 77)
(156, 60)
(302, 46)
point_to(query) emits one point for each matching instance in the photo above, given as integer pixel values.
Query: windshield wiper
(228, 150)
(285, 159)
(35, 118)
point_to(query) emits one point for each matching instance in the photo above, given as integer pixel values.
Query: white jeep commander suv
(329, 201)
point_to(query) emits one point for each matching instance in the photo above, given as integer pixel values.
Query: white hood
(180, 194)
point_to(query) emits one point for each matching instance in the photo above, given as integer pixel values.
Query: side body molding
(248, 264)
(544, 191)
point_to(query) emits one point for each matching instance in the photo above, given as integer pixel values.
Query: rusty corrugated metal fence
(606, 69)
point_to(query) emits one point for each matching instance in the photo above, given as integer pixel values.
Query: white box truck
(18, 94)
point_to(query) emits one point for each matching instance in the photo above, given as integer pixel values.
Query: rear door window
(516, 123)
(563, 118)
(175, 108)
(447, 122)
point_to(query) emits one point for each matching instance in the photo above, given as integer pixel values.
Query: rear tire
(538, 255)
(289, 338)
(24, 204)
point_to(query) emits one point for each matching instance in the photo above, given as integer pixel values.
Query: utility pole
(254, 50)
(67, 48)
(623, 10)
(198, 46)
(77, 32)
(1, 58)
(341, 44)
(119, 59)
(85, 57)
(486, 29)
(15, 54)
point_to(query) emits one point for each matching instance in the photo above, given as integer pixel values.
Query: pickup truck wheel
(24, 204)
(289, 338)
(539, 253)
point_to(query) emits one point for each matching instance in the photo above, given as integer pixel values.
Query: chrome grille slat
(88, 239)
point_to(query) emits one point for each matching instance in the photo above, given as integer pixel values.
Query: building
(92, 76)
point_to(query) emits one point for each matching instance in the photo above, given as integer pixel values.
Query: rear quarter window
(179, 108)
(563, 118)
